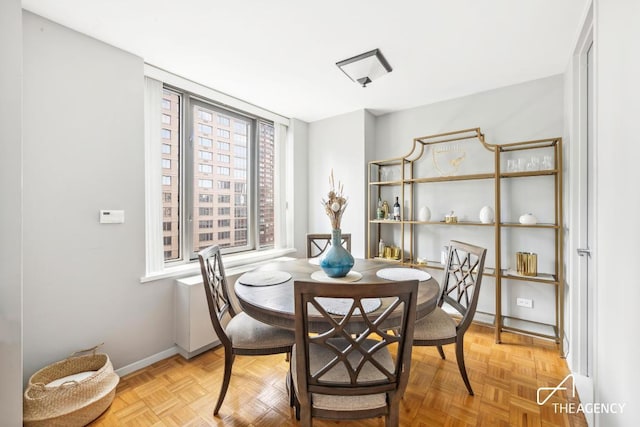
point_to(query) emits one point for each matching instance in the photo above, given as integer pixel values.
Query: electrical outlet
(524, 302)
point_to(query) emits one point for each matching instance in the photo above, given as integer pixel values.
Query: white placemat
(264, 278)
(341, 306)
(321, 276)
(400, 273)
(314, 261)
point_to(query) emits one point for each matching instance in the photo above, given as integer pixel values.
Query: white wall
(297, 179)
(338, 143)
(83, 151)
(617, 65)
(526, 111)
(10, 213)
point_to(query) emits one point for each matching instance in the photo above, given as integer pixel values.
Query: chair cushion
(320, 355)
(436, 325)
(246, 332)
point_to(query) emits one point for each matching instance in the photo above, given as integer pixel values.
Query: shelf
(518, 225)
(435, 174)
(477, 176)
(529, 327)
(386, 183)
(475, 223)
(545, 172)
(541, 277)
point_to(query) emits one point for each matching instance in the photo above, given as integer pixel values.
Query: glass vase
(337, 261)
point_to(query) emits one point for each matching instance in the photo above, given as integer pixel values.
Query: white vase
(528, 219)
(424, 214)
(486, 215)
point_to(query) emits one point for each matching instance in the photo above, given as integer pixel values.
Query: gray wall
(83, 151)
(338, 143)
(526, 111)
(11, 213)
(618, 201)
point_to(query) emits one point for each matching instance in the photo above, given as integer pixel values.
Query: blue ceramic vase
(337, 261)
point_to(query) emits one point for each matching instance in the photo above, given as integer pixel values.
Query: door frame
(582, 304)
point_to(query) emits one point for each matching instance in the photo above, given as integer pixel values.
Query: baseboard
(584, 386)
(189, 354)
(135, 366)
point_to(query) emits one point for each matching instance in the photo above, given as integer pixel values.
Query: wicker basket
(73, 403)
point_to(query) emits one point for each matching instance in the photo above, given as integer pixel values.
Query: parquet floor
(505, 378)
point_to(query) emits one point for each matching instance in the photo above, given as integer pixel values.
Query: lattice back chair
(239, 333)
(460, 290)
(318, 243)
(346, 365)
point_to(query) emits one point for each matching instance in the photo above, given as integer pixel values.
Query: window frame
(191, 104)
(155, 81)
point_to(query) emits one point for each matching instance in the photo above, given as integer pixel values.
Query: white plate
(401, 273)
(264, 278)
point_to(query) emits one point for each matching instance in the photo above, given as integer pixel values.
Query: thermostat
(109, 216)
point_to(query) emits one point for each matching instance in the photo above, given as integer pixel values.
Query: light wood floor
(505, 378)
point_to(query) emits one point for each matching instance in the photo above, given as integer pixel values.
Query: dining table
(267, 294)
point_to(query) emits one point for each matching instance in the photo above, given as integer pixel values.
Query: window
(196, 204)
(206, 169)
(205, 142)
(205, 211)
(223, 121)
(205, 116)
(205, 198)
(206, 224)
(205, 129)
(205, 237)
(240, 151)
(205, 183)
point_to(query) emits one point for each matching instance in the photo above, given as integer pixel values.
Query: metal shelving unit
(409, 226)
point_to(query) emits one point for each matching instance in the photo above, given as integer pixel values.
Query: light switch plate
(110, 216)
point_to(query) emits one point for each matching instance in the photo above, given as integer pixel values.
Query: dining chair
(318, 243)
(239, 333)
(460, 290)
(346, 365)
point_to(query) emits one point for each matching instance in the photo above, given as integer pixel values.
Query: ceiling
(281, 54)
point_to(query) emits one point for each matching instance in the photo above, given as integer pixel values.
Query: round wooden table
(274, 304)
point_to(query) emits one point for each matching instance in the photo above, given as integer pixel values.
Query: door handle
(584, 252)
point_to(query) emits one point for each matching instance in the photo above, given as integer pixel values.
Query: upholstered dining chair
(317, 243)
(348, 366)
(460, 290)
(239, 333)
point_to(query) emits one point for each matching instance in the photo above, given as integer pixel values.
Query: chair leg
(393, 417)
(461, 366)
(441, 351)
(228, 364)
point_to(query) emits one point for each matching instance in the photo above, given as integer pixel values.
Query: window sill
(230, 261)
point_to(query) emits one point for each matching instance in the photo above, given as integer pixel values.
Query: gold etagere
(406, 182)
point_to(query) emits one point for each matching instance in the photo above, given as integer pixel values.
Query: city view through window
(222, 179)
